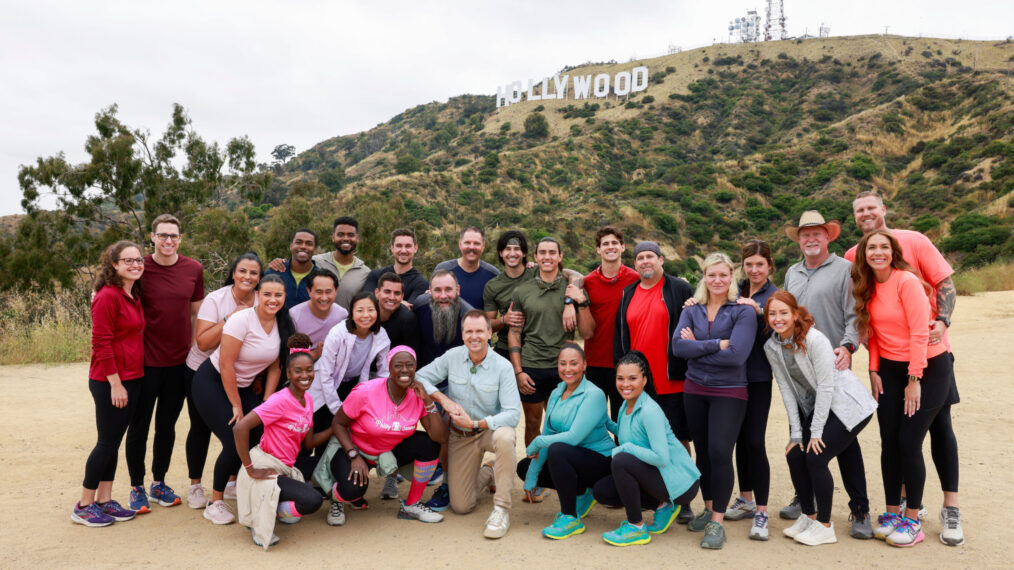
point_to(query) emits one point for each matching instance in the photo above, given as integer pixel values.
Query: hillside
(728, 141)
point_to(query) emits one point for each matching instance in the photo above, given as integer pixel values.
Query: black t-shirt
(413, 283)
(403, 329)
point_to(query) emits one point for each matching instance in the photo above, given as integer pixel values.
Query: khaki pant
(464, 460)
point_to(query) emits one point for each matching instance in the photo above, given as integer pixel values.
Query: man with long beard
(439, 314)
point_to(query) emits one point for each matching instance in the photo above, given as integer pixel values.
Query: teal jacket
(646, 435)
(580, 420)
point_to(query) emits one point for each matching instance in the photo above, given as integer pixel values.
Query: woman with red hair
(827, 409)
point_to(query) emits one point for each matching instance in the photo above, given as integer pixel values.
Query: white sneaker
(196, 498)
(498, 523)
(219, 513)
(759, 530)
(951, 535)
(336, 514)
(230, 491)
(801, 524)
(420, 512)
(817, 534)
(390, 490)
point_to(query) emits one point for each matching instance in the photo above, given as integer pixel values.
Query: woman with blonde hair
(715, 336)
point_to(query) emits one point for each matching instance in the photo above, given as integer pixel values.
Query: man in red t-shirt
(171, 293)
(605, 286)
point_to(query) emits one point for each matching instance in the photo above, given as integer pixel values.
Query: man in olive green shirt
(534, 346)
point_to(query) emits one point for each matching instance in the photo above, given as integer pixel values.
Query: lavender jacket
(707, 364)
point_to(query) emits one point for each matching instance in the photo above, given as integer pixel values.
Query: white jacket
(330, 369)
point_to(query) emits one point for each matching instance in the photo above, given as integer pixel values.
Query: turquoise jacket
(646, 435)
(580, 420)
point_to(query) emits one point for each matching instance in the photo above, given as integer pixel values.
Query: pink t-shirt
(216, 306)
(308, 324)
(285, 424)
(377, 426)
(258, 351)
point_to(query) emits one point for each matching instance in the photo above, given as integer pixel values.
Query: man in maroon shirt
(171, 294)
(605, 286)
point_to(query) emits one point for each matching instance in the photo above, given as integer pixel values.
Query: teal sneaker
(564, 526)
(664, 517)
(700, 521)
(714, 536)
(627, 535)
(585, 503)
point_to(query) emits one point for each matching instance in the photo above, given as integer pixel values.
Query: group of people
(317, 370)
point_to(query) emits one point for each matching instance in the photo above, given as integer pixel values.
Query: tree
(283, 152)
(130, 179)
(536, 126)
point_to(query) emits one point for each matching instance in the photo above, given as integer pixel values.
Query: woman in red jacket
(117, 361)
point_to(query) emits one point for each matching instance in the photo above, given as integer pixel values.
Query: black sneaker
(862, 527)
(686, 515)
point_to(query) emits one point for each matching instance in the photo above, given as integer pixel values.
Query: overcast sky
(301, 71)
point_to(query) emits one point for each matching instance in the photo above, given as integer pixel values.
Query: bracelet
(248, 467)
(514, 350)
(431, 409)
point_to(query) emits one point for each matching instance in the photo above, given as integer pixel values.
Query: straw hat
(811, 219)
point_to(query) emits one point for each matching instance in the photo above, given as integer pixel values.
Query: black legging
(636, 486)
(216, 410)
(751, 453)
(416, 447)
(714, 423)
(944, 448)
(901, 437)
(199, 436)
(810, 474)
(110, 423)
(164, 385)
(605, 379)
(569, 469)
(306, 498)
(323, 417)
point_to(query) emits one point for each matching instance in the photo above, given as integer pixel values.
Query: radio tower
(775, 16)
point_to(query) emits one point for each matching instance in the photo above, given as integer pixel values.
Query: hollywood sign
(583, 86)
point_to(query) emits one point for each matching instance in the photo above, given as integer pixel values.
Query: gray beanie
(647, 246)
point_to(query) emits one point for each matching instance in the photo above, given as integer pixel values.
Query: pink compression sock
(421, 474)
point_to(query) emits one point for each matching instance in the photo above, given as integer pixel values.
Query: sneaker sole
(438, 509)
(818, 543)
(78, 520)
(588, 510)
(644, 540)
(162, 503)
(860, 535)
(197, 506)
(944, 541)
(712, 546)
(142, 510)
(668, 524)
(407, 517)
(759, 537)
(918, 538)
(218, 522)
(123, 519)
(574, 532)
(331, 523)
(783, 514)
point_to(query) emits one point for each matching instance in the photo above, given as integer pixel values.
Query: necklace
(390, 394)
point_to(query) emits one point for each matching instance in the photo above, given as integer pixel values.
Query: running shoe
(801, 524)
(714, 536)
(336, 514)
(862, 527)
(686, 515)
(440, 500)
(886, 523)
(498, 523)
(253, 535)
(390, 487)
(230, 491)
(951, 535)
(564, 526)
(419, 512)
(817, 534)
(664, 517)
(923, 512)
(219, 513)
(627, 535)
(700, 521)
(164, 495)
(792, 511)
(759, 530)
(118, 513)
(585, 503)
(740, 509)
(196, 498)
(91, 515)
(908, 533)
(138, 500)
(437, 478)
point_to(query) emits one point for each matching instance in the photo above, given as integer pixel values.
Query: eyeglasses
(167, 237)
(132, 260)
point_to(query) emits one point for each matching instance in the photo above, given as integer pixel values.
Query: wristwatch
(475, 425)
(584, 303)
(944, 320)
(352, 453)
(850, 347)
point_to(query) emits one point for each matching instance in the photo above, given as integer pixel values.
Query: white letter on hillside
(581, 85)
(516, 91)
(602, 85)
(502, 92)
(560, 87)
(531, 94)
(640, 81)
(621, 83)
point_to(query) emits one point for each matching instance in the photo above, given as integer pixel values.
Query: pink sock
(421, 474)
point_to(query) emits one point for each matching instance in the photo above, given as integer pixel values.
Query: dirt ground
(42, 461)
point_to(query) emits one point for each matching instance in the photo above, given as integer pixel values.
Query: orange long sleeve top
(900, 321)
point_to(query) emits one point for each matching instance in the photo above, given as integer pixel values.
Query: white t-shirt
(258, 351)
(216, 306)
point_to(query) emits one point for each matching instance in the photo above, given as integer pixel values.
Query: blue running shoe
(118, 513)
(138, 500)
(440, 500)
(565, 526)
(585, 503)
(627, 535)
(664, 517)
(164, 495)
(91, 515)
(437, 478)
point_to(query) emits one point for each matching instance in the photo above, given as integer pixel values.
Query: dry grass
(44, 327)
(998, 276)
